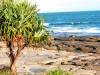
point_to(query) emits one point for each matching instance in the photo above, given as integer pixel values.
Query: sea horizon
(69, 11)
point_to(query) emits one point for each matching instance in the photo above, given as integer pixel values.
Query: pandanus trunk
(13, 56)
(13, 68)
(12, 59)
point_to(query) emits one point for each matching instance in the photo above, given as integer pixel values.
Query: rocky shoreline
(80, 55)
(77, 44)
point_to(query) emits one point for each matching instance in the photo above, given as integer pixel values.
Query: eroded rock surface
(79, 55)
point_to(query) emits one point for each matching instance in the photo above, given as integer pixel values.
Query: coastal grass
(59, 72)
(55, 72)
(5, 72)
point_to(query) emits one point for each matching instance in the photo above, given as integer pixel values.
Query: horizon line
(69, 11)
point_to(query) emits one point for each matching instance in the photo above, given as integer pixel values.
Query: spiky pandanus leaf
(21, 19)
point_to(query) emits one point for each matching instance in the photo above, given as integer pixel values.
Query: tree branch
(19, 51)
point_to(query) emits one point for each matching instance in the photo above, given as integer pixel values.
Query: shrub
(59, 72)
(5, 72)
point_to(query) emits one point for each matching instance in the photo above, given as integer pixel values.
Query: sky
(67, 5)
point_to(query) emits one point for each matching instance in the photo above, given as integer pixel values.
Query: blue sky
(67, 5)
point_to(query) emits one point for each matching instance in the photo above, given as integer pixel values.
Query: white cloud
(67, 5)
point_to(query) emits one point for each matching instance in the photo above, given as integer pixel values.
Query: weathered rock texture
(79, 55)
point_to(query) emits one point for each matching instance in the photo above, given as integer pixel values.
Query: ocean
(70, 24)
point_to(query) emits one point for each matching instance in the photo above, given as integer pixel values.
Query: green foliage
(5, 72)
(55, 72)
(21, 20)
(59, 72)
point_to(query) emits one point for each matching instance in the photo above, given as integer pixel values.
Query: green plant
(59, 72)
(5, 72)
(20, 23)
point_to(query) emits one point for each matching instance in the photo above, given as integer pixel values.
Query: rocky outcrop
(79, 55)
(79, 44)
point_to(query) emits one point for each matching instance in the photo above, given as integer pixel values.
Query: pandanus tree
(21, 24)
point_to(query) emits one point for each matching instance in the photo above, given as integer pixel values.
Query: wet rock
(98, 41)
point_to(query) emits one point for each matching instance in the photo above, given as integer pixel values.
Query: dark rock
(50, 63)
(64, 63)
(98, 41)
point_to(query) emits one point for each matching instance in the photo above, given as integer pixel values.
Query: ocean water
(65, 24)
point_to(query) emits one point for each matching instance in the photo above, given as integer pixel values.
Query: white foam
(93, 30)
(46, 24)
(75, 30)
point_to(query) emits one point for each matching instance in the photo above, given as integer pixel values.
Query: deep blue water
(73, 23)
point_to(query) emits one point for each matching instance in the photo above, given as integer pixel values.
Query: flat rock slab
(39, 61)
(86, 72)
(37, 69)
